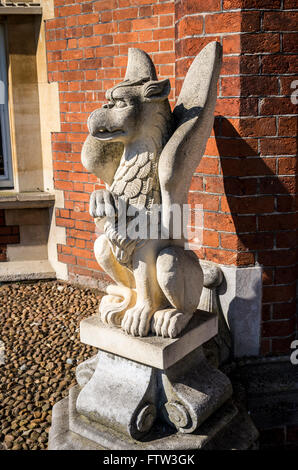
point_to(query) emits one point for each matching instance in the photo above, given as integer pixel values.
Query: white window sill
(26, 200)
(20, 8)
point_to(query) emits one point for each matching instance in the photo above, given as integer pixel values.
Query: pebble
(39, 324)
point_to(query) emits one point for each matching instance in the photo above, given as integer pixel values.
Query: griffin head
(136, 106)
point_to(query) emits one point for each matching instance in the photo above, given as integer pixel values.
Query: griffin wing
(194, 115)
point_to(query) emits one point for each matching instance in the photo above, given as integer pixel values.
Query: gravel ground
(39, 326)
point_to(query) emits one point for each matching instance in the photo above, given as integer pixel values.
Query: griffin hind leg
(150, 297)
(169, 322)
(180, 277)
(120, 296)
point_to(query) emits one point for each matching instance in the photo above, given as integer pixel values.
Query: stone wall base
(150, 393)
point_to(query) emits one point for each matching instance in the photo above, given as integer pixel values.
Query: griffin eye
(120, 104)
(108, 105)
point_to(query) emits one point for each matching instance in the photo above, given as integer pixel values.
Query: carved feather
(139, 201)
(130, 173)
(147, 186)
(131, 161)
(144, 171)
(134, 201)
(142, 159)
(142, 199)
(119, 187)
(133, 188)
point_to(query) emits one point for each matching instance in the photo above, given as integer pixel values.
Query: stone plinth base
(153, 351)
(149, 393)
(227, 429)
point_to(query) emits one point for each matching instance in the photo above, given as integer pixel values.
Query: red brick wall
(247, 179)
(9, 234)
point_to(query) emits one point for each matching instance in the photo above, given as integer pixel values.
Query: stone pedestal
(149, 393)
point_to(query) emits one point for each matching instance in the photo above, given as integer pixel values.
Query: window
(6, 178)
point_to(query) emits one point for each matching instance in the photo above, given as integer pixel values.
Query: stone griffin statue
(146, 155)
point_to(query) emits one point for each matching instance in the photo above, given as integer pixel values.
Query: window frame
(6, 180)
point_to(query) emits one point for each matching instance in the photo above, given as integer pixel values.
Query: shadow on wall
(259, 201)
(262, 208)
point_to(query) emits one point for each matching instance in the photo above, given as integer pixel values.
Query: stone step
(12, 271)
